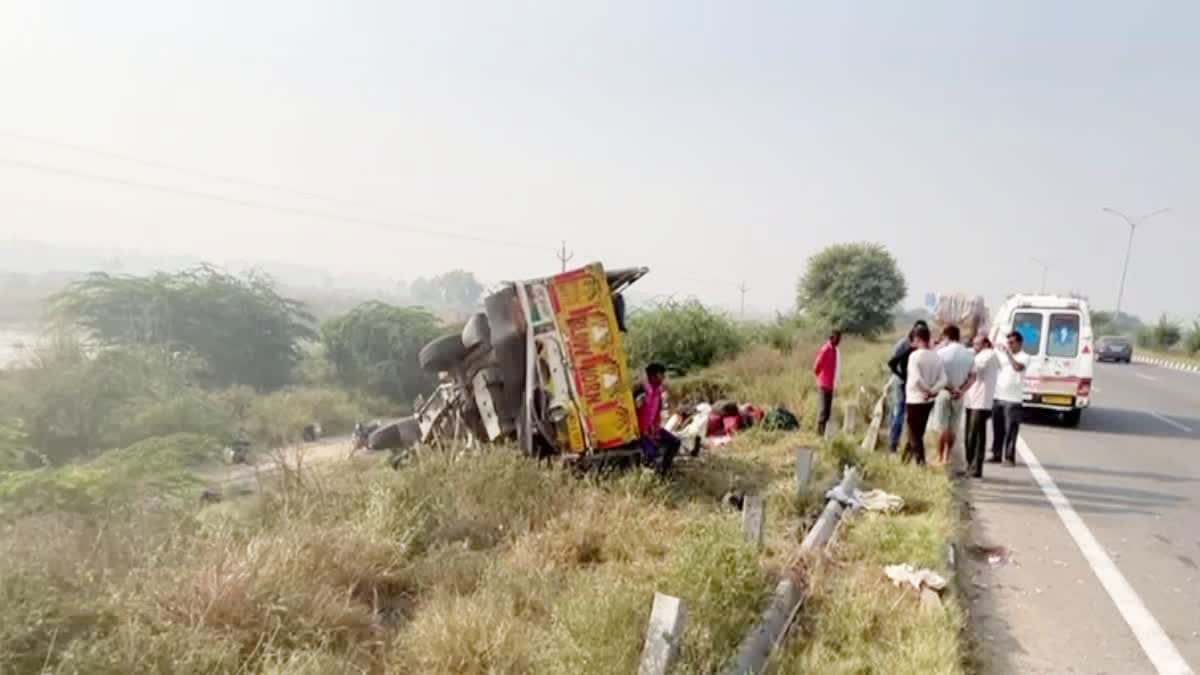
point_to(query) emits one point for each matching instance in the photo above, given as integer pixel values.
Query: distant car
(1114, 348)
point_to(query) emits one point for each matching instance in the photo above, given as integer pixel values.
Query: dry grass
(855, 620)
(479, 563)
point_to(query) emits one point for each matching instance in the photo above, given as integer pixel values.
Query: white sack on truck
(967, 312)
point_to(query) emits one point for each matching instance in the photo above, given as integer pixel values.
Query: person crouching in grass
(659, 446)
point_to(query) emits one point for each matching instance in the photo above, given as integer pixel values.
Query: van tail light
(1085, 388)
(1087, 349)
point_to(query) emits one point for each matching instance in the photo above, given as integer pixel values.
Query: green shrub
(278, 419)
(1164, 334)
(782, 332)
(1192, 342)
(373, 348)
(154, 467)
(683, 336)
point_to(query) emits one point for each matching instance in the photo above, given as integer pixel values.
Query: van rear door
(1055, 376)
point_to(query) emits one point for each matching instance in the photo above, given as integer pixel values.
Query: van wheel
(1071, 418)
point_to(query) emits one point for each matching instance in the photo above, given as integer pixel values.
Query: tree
(1164, 334)
(374, 348)
(1107, 323)
(1192, 343)
(73, 405)
(457, 289)
(852, 287)
(245, 332)
(682, 336)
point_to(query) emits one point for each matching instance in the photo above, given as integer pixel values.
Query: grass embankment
(481, 563)
(855, 620)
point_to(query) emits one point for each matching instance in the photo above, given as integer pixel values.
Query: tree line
(207, 352)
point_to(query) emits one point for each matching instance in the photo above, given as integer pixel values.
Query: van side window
(1029, 325)
(1063, 336)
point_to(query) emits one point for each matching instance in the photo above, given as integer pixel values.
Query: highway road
(1100, 531)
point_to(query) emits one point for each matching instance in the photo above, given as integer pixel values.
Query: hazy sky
(716, 142)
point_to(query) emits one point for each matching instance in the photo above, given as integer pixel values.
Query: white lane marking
(1146, 377)
(1168, 420)
(1154, 641)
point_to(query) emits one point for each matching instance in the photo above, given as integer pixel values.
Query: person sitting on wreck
(659, 446)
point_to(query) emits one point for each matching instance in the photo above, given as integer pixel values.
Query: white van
(1057, 334)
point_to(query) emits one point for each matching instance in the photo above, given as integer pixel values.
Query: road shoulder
(1036, 606)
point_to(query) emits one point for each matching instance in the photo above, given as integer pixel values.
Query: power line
(266, 206)
(224, 178)
(283, 189)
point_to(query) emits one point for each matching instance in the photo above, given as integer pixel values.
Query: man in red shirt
(649, 408)
(826, 370)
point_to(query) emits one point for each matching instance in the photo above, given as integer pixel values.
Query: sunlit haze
(717, 143)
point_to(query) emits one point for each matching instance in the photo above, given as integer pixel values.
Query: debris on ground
(715, 424)
(872, 500)
(878, 500)
(917, 578)
(733, 500)
(993, 555)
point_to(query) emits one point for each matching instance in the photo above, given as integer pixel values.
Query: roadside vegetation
(1166, 338)
(463, 561)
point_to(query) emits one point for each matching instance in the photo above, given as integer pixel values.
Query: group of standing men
(948, 378)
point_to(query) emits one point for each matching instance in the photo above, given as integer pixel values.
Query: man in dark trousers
(926, 377)
(979, 401)
(826, 370)
(1010, 394)
(898, 364)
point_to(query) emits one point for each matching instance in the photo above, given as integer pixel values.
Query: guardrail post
(804, 457)
(664, 632)
(753, 517)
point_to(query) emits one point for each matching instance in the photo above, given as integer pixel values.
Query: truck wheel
(477, 332)
(1071, 417)
(444, 353)
(402, 433)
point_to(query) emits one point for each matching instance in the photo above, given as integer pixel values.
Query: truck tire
(400, 434)
(444, 353)
(477, 333)
(1071, 418)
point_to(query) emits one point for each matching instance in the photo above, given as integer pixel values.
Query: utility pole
(1045, 270)
(563, 256)
(744, 290)
(1133, 225)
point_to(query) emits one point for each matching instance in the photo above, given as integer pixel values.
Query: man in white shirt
(978, 400)
(926, 377)
(1010, 394)
(958, 362)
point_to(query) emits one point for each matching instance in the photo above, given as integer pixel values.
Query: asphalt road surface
(1088, 552)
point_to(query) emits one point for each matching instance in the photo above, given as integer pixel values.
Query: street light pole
(1133, 225)
(1045, 270)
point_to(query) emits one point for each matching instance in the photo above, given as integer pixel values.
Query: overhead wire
(267, 206)
(259, 204)
(224, 178)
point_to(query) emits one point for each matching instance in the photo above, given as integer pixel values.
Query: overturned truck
(543, 365)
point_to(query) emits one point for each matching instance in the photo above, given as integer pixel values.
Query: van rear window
(1029, 325)
(1063, 336)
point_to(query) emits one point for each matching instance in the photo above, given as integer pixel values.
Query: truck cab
(1057, 333)
(543, 365)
